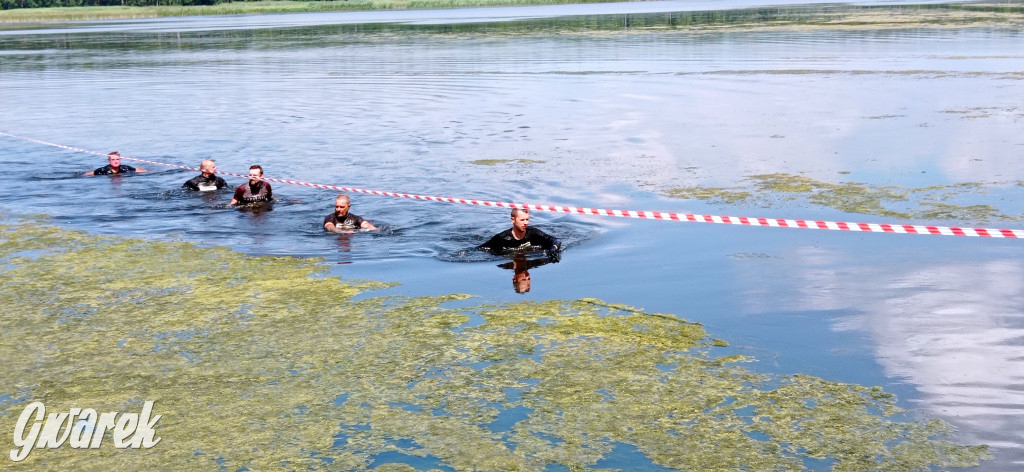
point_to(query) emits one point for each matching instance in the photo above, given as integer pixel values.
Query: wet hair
(342, 196)
(257, 166)
(113, 153)
(516, 211)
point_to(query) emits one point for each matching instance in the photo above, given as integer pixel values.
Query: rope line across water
(643, 214)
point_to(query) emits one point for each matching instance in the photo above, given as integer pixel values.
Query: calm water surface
(413, 102)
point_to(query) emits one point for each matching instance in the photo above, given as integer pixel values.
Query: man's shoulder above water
(202, 183)
(108, 170)
(505, 240)
(348, 221)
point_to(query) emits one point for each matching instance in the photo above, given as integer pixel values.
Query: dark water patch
(56, 176)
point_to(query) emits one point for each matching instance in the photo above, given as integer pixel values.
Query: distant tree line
(12, 4)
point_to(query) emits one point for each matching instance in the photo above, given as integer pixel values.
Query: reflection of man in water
(255, 190)
(206, 181)
(341, 221)
(521, 237)
(114, 167)
(521, 282)
(521, 267)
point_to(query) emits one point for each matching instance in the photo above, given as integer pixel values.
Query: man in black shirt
(114, 166)
(521, 237)
(206, 181)
(341, 221)
(255, 190)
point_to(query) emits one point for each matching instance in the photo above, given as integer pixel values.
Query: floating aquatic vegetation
(945, 211)
(854, 197)
(256, 364)
(851, 197)
(985, 112)
(752, 255)
(717, 194)
(491, 162)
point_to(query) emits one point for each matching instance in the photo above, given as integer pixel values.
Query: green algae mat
(893, 201)
(265, 363)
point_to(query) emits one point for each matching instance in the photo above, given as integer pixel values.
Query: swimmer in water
(341, 221)
(255, 190)
(522, 237)
(206, 181)
(114, 167)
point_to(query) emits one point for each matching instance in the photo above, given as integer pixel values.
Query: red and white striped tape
(650, 215)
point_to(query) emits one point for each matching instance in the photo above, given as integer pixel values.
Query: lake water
(576, 105)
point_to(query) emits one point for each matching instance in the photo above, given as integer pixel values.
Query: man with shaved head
(522, 237)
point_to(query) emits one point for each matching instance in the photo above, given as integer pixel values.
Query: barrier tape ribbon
(644, 214)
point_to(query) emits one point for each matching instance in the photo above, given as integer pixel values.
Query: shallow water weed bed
(855, 197)
(254, 363)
